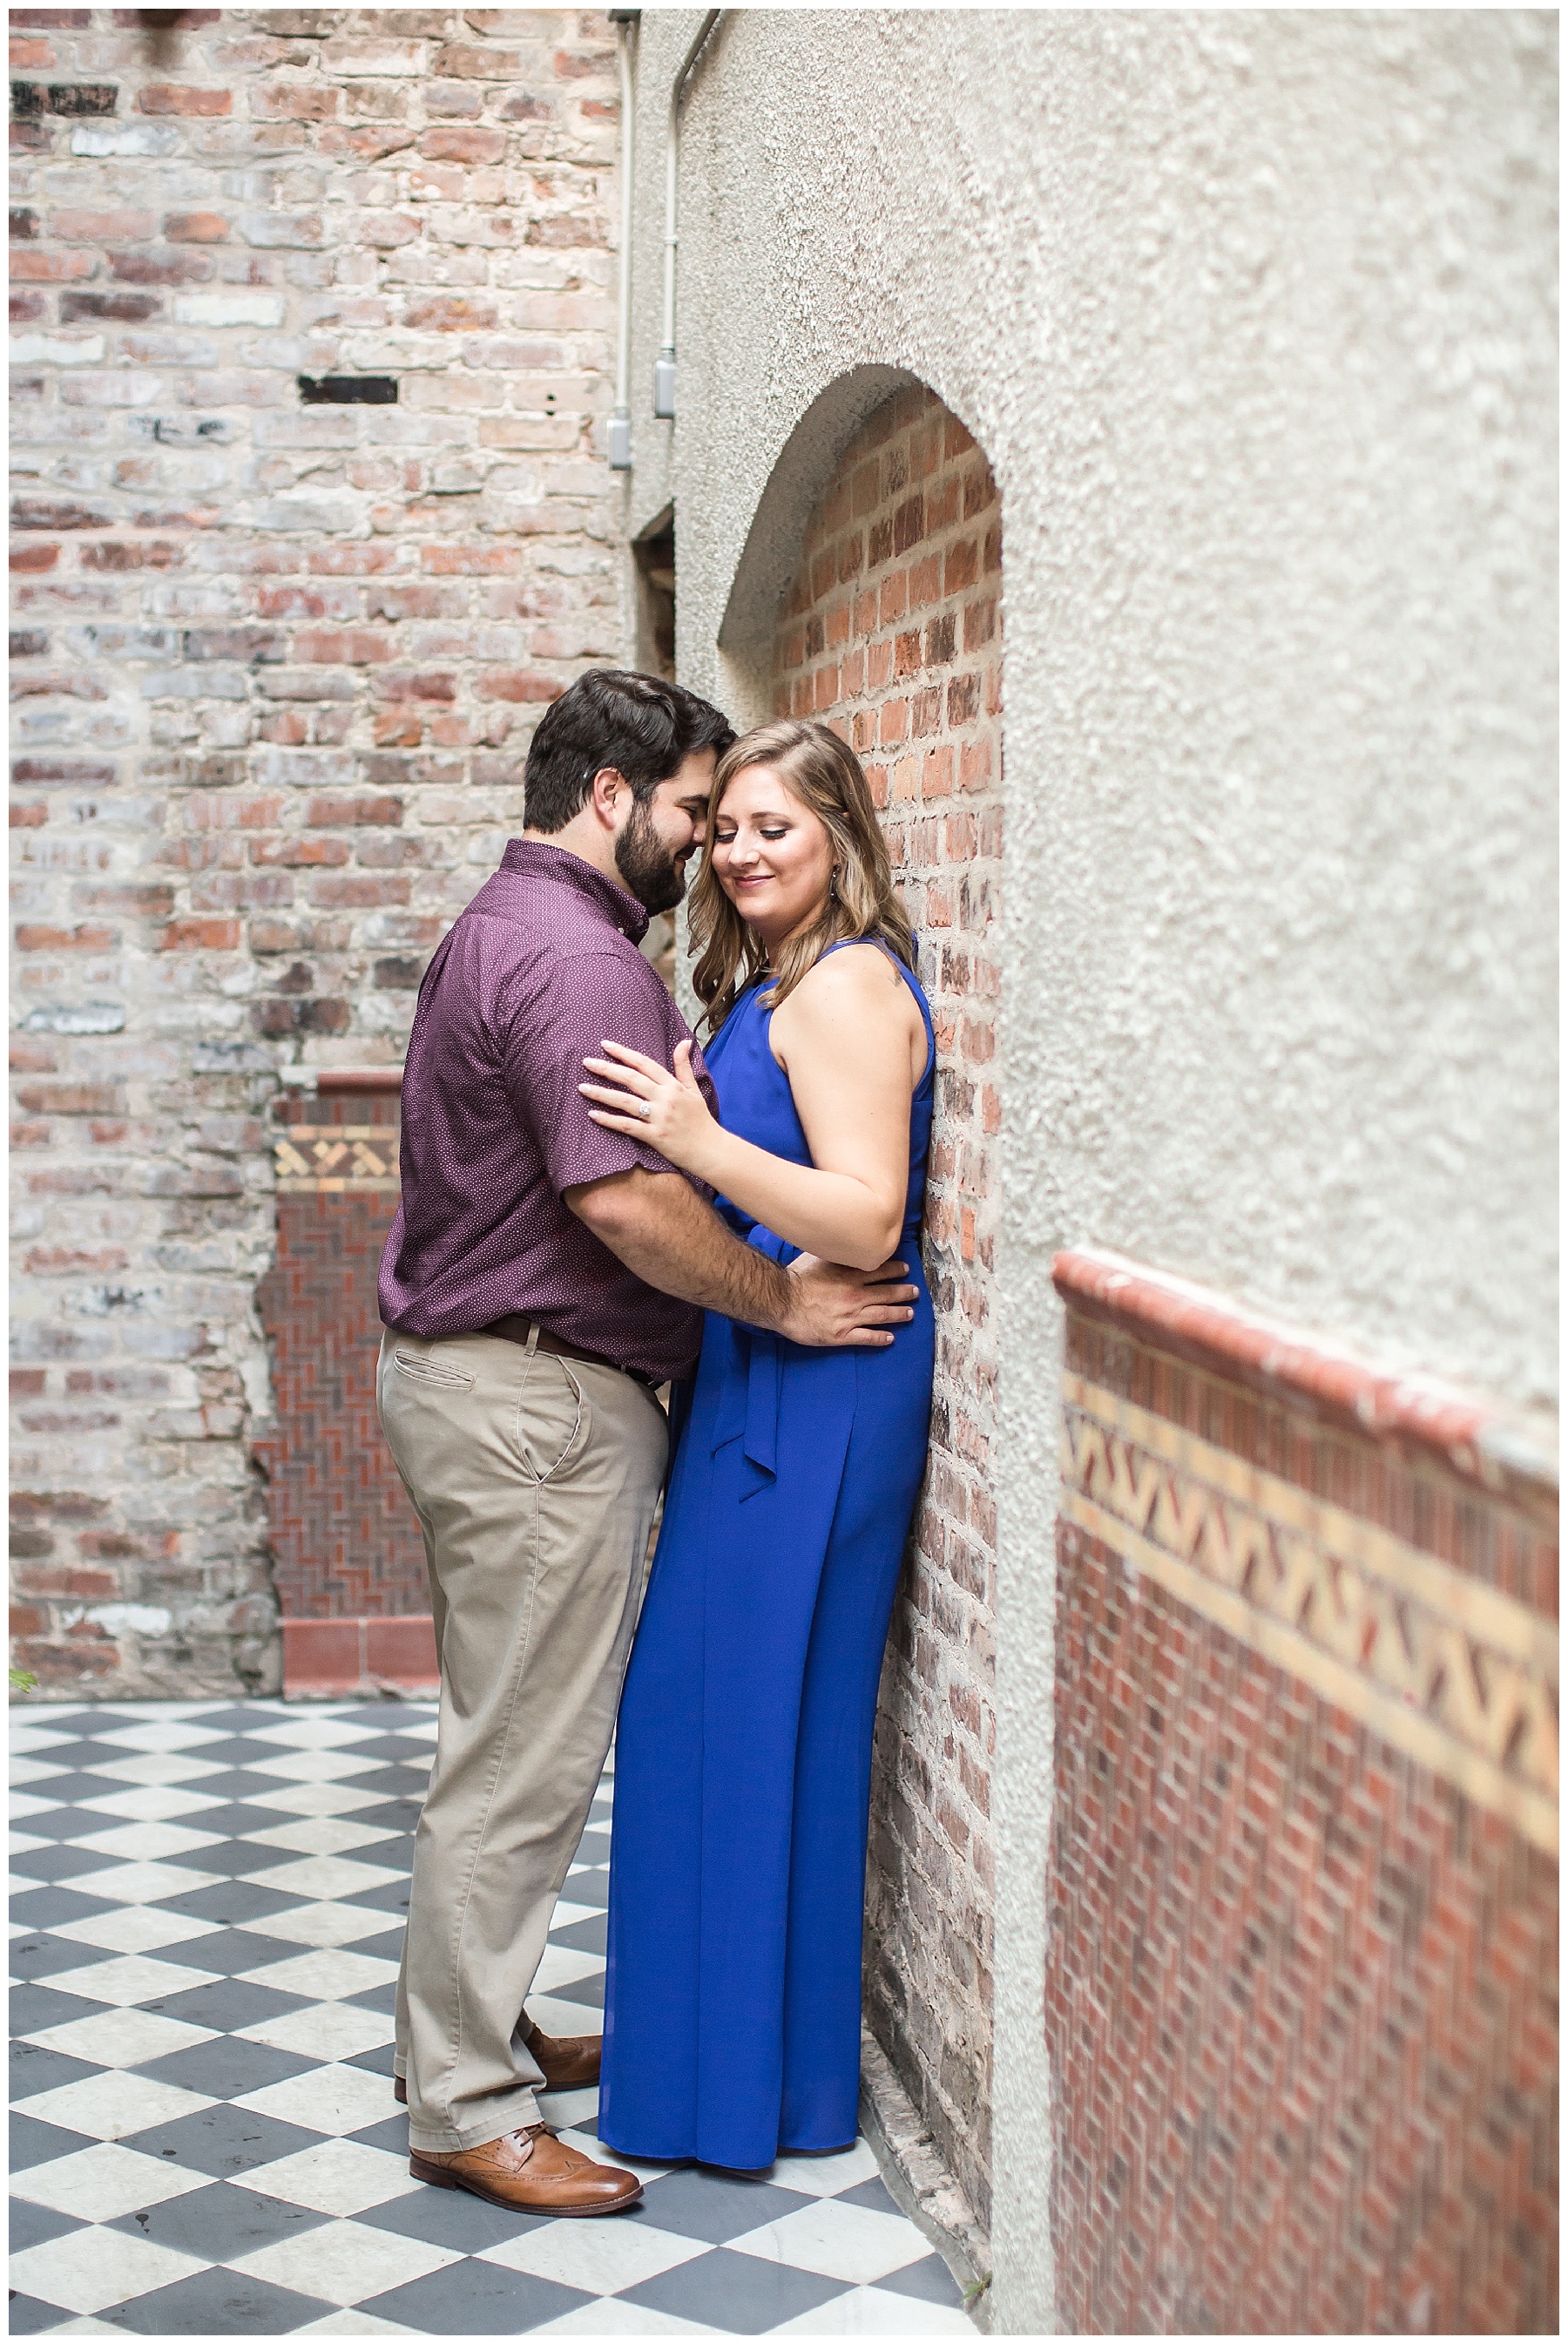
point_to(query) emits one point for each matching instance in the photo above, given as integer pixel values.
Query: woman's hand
(665, 1110)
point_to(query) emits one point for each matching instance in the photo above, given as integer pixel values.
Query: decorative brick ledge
(323, 1659)
(1480, 1440)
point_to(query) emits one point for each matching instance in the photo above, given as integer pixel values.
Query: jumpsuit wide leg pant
(744, 1752)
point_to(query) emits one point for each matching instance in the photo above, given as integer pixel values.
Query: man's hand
(664, 1233)
(834, 1308)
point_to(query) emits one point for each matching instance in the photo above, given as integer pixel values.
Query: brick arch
(890, 631)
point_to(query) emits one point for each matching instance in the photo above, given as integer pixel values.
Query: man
(542, 1278)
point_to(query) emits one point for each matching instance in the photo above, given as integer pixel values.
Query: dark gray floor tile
(41, 1956)
(232, 1859)
(28, 2317)
(450, 2217)
(47, 1907)
(224, 2140)
(236, 1819)
(593, 1848)
(386, 1946)
(591, 1887)
(226, 2069)
(220, 2224)
(474, 2298)
(61, 1862)
(582, 1937)
(227, 1952)
(227, 2004)
(217, 2303)
(391, 2133)
(737, 2292)
(65, 1824)
(377, 2061)
(873, 2195)
(589, 1991)
(31, 2225)
(35, 2143)
(35, 2007)
(229, 1901)
(698, 2202)
(929, 2280)
(382, 1999)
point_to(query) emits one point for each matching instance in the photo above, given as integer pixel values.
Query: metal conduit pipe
(625, 20)
(664, 365)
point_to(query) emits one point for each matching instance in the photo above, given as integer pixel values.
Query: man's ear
(604, 795)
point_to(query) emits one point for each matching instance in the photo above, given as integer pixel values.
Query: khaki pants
(535, 1479)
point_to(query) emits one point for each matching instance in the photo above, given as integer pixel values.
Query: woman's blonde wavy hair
(826, 776)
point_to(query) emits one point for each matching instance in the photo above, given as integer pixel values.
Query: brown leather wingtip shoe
(531, 2172)
(400, 2091)
(569, 2063)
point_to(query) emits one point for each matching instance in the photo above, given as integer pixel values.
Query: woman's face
(771, 856)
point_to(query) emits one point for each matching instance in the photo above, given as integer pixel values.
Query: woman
(732, 2027)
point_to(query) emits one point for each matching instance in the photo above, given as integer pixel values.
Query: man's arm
(664, 1233)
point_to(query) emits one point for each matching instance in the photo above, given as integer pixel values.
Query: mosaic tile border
(336, 1158)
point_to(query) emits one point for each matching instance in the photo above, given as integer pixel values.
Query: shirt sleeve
(589, 997)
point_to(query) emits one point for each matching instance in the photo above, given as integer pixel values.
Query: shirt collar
(611, 901)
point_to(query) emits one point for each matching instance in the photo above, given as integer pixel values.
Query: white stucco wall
(1254, 316)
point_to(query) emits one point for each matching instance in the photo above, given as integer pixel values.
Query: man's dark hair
(640, 724)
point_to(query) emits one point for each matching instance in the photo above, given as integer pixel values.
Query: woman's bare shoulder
(856, 974)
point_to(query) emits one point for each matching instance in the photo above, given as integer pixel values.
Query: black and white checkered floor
(207, 1905)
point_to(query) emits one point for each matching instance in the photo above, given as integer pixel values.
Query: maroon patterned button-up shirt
(540, 969)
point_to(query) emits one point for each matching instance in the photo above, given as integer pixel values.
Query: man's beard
(648, 868)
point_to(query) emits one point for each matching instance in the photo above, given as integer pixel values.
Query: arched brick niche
(891, 631)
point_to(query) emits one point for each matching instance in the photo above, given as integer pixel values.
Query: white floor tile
(610, 2317)
(317, 1733)
(143, 1883)
(872, 2311)
(847, 2242)
(345, 2262)
(86, 2270)
(171, 1712)
(24, 1803)
(565, 2110)
(330, 1973)
(102, 2183)
(330, 1924)
(338, 2176)
(563, 2017)
(350, 2323)
(315, 1876)
(601, 2258)
(323, 2100)
(122, 2038)
(826, 2177)
(314, 1799)
(151, 1841)
(566, 1916)
(164, 1734)
(37, 1770)
(130, 1978)
(312, 1765)
(30, 1737)
(319, 1836)
(323, 2030)
(560, 1966)
(111, 2107)
(151, 1766)
(157, 1802)
(21, 1843)
(135, 1929)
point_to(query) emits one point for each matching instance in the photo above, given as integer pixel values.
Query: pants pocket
(535, 1442)
(444, 1374)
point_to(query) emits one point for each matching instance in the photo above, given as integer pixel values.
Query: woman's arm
(843, 1038)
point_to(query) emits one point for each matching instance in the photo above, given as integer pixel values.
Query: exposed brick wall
(1300, 1991)
(891, 632)
(276, 668)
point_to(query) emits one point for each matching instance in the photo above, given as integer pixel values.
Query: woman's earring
(833, 884)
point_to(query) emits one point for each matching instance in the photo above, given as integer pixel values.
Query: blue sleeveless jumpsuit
(743, 1754)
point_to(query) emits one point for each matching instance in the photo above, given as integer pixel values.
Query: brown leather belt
(515, 1329)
